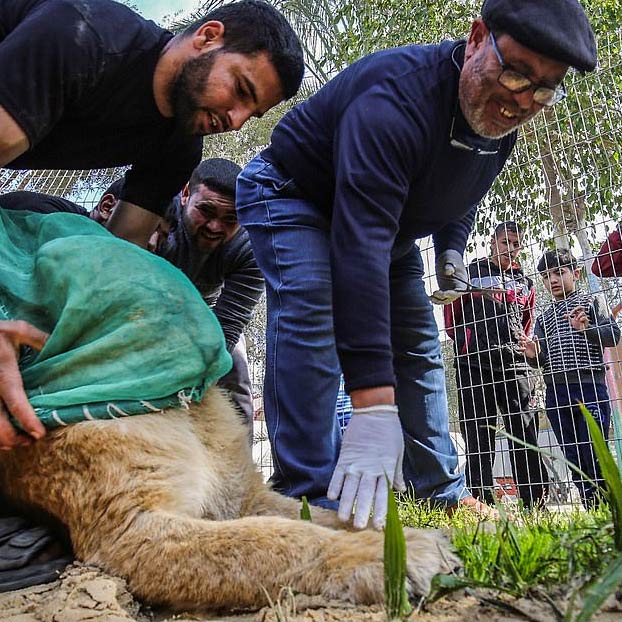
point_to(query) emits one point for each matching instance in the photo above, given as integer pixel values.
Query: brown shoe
(480, 509)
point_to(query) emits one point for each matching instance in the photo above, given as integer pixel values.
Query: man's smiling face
(219, 91)
(489, 108)
(210, 217)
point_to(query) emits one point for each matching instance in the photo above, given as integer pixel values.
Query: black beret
(558, 29)
(217, 173)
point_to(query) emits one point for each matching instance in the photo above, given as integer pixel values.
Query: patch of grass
(539, 551)
(284, 608)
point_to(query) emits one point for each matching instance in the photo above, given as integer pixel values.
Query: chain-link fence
(518, 360)
(563, 186)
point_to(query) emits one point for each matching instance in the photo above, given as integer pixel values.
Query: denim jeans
(291, 240)
(568, 423)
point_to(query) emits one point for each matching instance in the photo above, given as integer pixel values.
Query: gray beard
(475, 119)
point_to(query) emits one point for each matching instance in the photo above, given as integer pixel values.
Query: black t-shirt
(76, 75)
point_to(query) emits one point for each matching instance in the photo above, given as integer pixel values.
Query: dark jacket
(228, 278)
(485, 329)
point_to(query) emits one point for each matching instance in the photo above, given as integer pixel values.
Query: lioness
(173, 503)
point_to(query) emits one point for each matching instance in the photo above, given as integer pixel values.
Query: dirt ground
(84, 594)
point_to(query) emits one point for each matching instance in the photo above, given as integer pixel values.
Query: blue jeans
(291, 240)
(572, 432)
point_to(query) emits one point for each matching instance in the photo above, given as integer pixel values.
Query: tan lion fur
(173, 503)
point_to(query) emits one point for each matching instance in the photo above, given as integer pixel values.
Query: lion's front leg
(183, 562)
(353, 568)
(262, 501)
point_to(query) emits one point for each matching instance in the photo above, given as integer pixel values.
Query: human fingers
(336, 483)
(398, 480)
(364, 499)
(445, 297)
(19, 333)
(380, 503)
(13, 397)
(348, 496)
(9, 436)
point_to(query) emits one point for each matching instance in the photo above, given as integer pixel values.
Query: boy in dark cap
(400, 145)
(568, 343)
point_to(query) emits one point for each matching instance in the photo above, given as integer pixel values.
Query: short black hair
(115, 188)
(508, 225)
(254, 26)
(560, 258)
(216, 173)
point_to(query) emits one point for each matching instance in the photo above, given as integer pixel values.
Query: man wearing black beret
(557, 29)
(401, 145)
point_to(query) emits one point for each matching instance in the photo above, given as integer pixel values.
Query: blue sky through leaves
(157, 9)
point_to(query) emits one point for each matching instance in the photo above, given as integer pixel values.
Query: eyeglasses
(516, 82)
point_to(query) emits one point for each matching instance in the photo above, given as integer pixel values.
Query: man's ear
(477, 38)
(185, 195)
(106, 206)
(209, 36)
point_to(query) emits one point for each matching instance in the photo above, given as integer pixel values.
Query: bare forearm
(372, 396)
(13, 140)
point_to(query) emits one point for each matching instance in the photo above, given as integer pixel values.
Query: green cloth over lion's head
(129, 333)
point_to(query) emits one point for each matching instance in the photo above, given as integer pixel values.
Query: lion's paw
(353, 569)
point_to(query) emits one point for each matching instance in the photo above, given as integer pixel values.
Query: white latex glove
(372, 451)
(449, 265)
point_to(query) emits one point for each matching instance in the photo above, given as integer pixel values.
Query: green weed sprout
(305, 510)
(396, 602)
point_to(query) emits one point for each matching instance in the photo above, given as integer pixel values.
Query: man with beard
(205, 241)
(492, 371)
(400, 145)
(90, 84)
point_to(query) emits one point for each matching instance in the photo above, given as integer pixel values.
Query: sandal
(28, 555)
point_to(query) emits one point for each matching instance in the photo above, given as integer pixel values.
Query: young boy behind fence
(568, 343)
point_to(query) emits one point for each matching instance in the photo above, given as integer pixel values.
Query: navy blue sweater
(372, 150)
